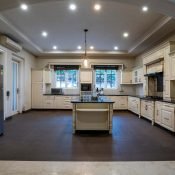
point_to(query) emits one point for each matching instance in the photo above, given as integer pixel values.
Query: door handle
(17, 90)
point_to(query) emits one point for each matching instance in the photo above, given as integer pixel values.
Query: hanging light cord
(85, 31)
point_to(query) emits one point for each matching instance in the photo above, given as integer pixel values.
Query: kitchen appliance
(1, 101)
(57, 91)
(86, 87)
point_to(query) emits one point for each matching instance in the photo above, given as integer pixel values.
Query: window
(106, 78)
(66, 78)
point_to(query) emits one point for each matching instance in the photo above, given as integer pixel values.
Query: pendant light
(85, 59)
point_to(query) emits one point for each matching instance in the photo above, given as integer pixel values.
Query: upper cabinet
(47, 76)
(172, 66)
(137, 76)
(85, 75)
(126, 77)
(37, 76)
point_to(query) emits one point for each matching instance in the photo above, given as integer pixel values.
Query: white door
(15, 87)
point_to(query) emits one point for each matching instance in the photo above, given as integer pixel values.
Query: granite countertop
(100, 100)
(62, 94)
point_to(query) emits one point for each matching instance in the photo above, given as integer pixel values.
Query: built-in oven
(86, 87)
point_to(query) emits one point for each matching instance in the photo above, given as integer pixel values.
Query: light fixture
(97, 7)
(24, 7)
(92, 47)
(85, 59)
(44, 34)
(79, 47)
(72, 7)
(115, 48)
(125, 34)
(54, 47)
(145, 8)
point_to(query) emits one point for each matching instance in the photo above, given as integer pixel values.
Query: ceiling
(65, 27)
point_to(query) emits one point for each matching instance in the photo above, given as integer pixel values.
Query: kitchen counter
(92, 114)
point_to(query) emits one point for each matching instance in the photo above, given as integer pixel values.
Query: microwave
(86, 87)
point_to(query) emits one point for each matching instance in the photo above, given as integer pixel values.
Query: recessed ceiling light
(144, 8)
(125, 34)
(97, 7)
(92, 47)
(115, 48)
(79, 47)
(44, 34)
(54, 47)
(24, 7)
(72, 7)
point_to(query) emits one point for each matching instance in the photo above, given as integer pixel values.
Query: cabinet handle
(166, 119)
(157, 112)
(168, 106)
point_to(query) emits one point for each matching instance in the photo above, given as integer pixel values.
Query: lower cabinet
(165, 115)
(134, 104)
(121, 102)
(158, 106)
(147, 109)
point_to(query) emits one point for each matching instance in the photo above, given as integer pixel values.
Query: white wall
(128, 62)
(27, 61)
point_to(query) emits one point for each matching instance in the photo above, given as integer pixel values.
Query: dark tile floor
(47, 136)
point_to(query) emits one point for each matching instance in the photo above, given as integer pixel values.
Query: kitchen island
(92, 114)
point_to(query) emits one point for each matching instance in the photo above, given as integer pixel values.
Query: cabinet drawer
(48, 97)
(167, 117)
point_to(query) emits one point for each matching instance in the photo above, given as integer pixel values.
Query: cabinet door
(86, 76)
(37, 95)
(167, 117)
(173, 68)
(123, 102)
(47, 77)
(126, 77)
(37, 76)
(167, 88)
(59, 102)
(158, 113)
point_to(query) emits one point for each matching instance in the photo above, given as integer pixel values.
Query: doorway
(15, 87)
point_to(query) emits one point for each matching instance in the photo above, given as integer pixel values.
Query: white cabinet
(137, 76)
(47, 76)
(37, 76)
(165, 115)
(37, 95)
(85, 75)
(37, 89)
(158, 106)
(121, 102)
(126, 77)
(147, 109)
(172, 67)
(134, 104)
(59, 102)
(48, 102)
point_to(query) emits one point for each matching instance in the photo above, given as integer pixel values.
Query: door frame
(20, 62)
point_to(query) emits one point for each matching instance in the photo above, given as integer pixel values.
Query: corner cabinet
(85, 75)
(134, 104)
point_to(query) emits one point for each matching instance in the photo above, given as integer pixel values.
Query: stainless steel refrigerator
(1, 101)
